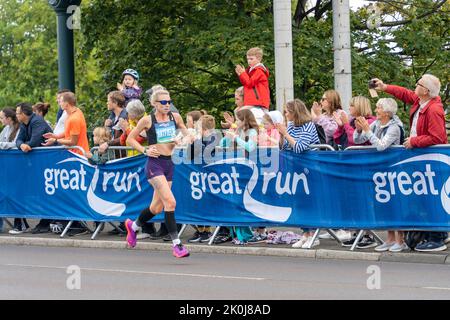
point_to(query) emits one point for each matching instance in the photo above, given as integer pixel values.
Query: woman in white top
(10, 131)
(8, 138)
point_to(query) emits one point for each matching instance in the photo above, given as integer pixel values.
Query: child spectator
(255, 80)
(194, 116)
(129, 86)
(101, 135)
(268, 133)
(192, 124)
(229, 119)
(246, 133)
(246, 137)
(204, 146)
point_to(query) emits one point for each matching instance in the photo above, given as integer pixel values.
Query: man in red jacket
(255, 80)
(427, 121)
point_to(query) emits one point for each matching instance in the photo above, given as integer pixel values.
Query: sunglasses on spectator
(322, 99)
(165, 102)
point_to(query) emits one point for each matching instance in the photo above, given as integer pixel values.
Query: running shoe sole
(129, 230)
(441, 248)
(179, 257)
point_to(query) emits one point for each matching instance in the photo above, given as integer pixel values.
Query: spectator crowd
(251, 125)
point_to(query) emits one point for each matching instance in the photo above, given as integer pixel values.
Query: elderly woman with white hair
(386, 131)
(136, 111)
(427, 120)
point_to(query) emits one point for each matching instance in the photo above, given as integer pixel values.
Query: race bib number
(165, 132)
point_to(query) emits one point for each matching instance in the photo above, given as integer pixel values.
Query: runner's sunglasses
(164, 102)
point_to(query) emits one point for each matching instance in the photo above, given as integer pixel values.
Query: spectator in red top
(427, 122)
(427, 125)
(255, 80)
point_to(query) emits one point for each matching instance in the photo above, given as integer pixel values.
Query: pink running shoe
(180, 251)
(131, 234)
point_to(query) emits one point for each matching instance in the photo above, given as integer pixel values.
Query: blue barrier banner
(361, 189)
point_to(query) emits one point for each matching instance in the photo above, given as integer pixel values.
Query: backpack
(323, 137)
(243, 234)
(413, 238)
(321, 134)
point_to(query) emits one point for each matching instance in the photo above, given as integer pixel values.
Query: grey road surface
(42, 273)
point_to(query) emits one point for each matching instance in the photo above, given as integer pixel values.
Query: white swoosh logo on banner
(445, 191)
(257, 208)
(77, 160)
(103, 207)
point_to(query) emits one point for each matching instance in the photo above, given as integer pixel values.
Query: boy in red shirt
(255, 80)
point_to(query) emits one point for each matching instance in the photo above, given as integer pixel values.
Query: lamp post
(66, 63)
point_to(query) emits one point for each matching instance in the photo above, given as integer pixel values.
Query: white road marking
(140, 272)
(435, 288)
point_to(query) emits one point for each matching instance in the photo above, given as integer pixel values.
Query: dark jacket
(31, 133)
(116, 132)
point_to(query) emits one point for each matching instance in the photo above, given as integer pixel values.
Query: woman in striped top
(300, 132)
(299, 135)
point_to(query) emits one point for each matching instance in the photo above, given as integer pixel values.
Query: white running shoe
(343, 235)
(384, 247)
(17, 231)
(142, 235)
(398, 247)
(307, 244)
(300, 242)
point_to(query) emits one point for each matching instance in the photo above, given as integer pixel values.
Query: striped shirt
(304, 135)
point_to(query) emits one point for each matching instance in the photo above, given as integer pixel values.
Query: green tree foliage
(190, 47)
(28, 61)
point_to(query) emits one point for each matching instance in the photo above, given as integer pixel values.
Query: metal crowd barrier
(224, 149)
(69, 224)
(53, 148)
(8, 222)
(122, 153)
(317, 147)
(360, 233)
